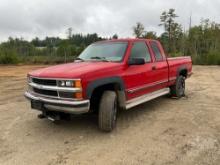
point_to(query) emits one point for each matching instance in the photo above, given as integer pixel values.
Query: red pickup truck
(108, 76)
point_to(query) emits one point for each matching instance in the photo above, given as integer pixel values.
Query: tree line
(201, 42)
(48, 50)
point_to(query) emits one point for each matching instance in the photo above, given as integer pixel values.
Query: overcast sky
(30, 18)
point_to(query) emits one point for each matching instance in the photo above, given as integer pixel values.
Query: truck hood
(74, 70)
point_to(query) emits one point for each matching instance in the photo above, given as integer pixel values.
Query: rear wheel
(108, 111)
(178, 90)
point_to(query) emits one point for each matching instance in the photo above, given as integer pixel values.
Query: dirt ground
(163, 131)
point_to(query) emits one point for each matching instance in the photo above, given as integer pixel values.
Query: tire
(108, 111)
(178, 90)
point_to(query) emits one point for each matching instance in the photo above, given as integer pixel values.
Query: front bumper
(71, 107)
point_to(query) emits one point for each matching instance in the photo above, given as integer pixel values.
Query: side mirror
(136, 61)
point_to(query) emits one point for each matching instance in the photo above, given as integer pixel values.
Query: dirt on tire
(163, 131)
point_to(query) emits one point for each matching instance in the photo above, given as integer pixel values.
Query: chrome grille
(50, 88)
(45, 92)
(44, 81)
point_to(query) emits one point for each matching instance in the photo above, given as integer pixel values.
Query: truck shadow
(126, 118)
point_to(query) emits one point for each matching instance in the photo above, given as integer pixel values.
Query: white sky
(31, 18)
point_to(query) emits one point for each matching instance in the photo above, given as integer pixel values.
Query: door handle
(154, 67)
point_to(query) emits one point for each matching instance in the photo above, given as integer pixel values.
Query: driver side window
(140, 50)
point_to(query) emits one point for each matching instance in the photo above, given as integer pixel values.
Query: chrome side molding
(147, 86)
(147, 97)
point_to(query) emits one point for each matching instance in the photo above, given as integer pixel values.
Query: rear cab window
(140, 50)
(156, 51)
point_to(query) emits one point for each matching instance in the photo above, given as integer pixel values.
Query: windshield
(111, 51)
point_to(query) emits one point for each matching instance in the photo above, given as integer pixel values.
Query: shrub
(45, 59)
(213, 58)
(8, 57)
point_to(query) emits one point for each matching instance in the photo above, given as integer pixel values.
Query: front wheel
(178, 90)
(108, 111)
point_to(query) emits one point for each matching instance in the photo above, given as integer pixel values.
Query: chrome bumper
(72, 107)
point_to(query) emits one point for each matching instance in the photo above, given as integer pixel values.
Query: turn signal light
(78, 95)
(78, 84)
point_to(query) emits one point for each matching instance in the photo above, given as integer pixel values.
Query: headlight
(66, 83)
(70, 83)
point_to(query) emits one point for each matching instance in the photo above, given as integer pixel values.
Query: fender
(181, 68)
(104, 81)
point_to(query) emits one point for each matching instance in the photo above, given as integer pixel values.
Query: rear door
(159, 66)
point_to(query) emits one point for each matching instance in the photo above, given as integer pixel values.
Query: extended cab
(108, 76)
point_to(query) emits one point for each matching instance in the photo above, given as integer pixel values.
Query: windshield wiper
(99, 58)
(78, 58)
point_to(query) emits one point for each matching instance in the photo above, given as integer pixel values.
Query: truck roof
(126, 40)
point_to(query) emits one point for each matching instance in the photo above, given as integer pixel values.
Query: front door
(139, 78)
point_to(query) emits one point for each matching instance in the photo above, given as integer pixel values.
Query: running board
(147, 97)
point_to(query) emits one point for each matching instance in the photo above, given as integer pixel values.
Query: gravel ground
(163, 131)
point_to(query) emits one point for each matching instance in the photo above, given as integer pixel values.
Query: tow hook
(54, 118)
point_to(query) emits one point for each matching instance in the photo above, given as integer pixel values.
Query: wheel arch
(182, 71)
(95, 89)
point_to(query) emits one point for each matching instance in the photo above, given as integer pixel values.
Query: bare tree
(138, 30)
(167, 20)
(69, 33)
